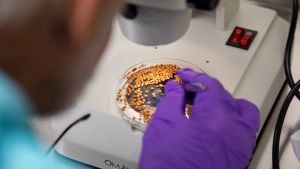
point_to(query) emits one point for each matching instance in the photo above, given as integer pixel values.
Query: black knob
(204, 4)
(130, 11)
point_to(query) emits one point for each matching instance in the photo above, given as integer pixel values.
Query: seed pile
(146, 87)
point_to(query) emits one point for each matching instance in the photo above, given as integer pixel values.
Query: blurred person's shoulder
(14, 106)
(20, 148)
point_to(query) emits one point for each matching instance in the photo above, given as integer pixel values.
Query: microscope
(240, 44)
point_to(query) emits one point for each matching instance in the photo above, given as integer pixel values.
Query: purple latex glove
(220, 134)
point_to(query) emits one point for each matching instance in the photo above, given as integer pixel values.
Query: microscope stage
(106, 141)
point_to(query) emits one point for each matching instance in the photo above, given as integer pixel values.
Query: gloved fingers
(189, 76)
(214, 109)
(250, 114)
(194, 87)
(172, 105)
(153, 135)
(213, 89)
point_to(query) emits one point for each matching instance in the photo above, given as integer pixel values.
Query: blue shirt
(19, 146)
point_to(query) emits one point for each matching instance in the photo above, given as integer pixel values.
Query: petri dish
(141, 87)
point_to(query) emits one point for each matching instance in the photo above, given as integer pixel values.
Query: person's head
(51, 47)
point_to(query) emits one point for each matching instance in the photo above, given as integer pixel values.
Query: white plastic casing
(154, 26)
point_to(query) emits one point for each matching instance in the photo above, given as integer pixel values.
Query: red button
(238, 31)
(244, 42)
(235, 40)
(241, 38)
(237, 35)
(248, 35)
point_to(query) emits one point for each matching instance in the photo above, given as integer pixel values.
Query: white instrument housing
(106, 141)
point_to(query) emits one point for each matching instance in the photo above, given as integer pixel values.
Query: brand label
(114, 165)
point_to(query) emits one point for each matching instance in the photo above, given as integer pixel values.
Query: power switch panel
(241, 38)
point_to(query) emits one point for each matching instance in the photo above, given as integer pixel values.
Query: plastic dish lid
(128, 113)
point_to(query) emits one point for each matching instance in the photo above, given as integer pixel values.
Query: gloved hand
(220, 133)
